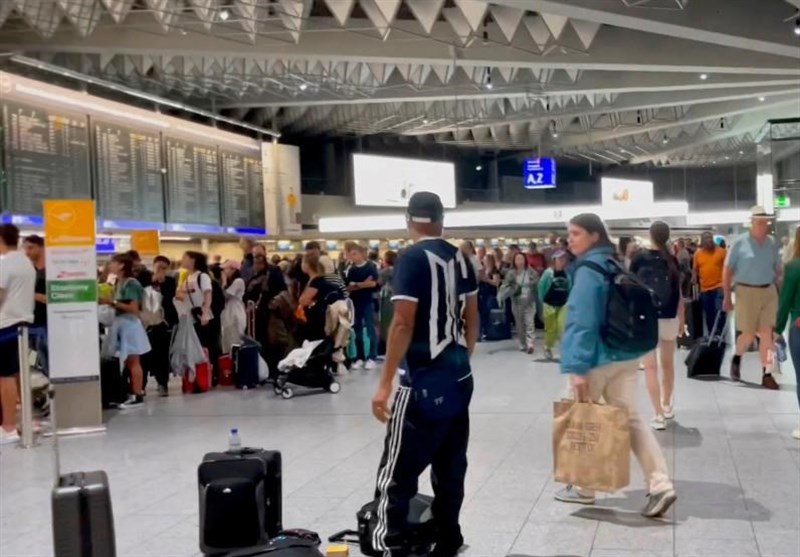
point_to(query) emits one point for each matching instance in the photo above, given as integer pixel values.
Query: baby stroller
(318, 371)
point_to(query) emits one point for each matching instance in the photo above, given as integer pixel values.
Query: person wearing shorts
(752, 272)
(660, 271)
(17, 288)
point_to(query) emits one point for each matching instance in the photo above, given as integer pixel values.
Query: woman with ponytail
(659, 270)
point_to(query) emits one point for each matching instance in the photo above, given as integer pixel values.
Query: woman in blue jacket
(597, 372)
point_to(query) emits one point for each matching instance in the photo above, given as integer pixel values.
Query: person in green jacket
(789, 311)
(554, 287)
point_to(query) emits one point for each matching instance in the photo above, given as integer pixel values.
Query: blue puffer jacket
(582, 350)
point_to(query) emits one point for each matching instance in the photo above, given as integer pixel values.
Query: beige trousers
(617, 384)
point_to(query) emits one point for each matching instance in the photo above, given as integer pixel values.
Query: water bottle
(234, 441)
(780, 349)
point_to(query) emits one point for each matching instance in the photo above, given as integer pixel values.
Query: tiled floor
(736, 469)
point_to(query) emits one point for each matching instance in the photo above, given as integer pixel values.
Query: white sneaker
(358, 364)
(669, 412)
(8, 437)
(796, 434)
(370, 364)
(658, 423)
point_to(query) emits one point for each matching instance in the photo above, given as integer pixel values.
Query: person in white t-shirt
(17, 289)
(196, 291)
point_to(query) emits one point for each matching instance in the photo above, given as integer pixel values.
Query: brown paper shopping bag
(591, 445)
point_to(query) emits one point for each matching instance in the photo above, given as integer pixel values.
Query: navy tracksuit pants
(418, 438)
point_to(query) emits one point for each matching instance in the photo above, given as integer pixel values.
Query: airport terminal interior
(218, 250)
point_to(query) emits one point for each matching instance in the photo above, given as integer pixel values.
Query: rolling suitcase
(499, 327)
(240, 499)
(83, 521)
(246, 359)
(706, 356)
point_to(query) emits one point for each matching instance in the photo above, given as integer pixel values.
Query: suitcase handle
(344, 536)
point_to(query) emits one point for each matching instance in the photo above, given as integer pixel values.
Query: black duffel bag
(289, 543)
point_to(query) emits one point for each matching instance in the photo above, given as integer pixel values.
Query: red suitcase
(202, 378)
(225, 366)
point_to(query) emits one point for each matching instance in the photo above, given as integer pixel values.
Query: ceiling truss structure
(679, 82)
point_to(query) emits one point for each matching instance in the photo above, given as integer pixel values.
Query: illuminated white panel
(717, 217)
(626, 194)
(391, 181)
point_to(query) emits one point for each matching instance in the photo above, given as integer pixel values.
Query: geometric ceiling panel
(642, 81)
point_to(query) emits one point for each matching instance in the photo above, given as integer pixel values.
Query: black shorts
(9, 351)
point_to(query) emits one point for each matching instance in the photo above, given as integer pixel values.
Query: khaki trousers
(617, 384)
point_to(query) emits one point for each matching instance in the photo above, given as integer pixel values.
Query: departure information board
(46, 157)
(242, 191)
(130, 185)
(193, 192)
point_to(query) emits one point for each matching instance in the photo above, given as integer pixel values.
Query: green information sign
(71, 291)
(783, 202)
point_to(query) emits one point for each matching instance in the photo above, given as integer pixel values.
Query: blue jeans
(794, 350)
(365, 319)
(712, 305)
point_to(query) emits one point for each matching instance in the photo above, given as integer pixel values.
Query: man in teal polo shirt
(752, 271)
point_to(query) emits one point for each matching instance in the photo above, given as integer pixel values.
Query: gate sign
(539, 174)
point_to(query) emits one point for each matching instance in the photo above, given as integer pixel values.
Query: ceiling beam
(611, 51)
(632, 101)
(749, 123)
(695, 115)
(738, 24)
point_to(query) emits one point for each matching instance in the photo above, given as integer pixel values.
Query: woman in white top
(196, 290)
(234, 316)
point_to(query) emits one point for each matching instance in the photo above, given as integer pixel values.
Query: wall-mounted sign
(626, 194)
(539, 174)
(146, 242)
(782, 202)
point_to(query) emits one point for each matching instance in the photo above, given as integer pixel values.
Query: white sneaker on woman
(358, 364)
(669, 412)
(658, 423)
(8, 437)
(796, 434)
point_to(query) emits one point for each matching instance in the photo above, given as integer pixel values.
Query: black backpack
(558, 293)
(655, 273)
(631, 320)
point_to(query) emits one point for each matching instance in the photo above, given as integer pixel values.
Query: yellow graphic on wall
(69, 222)
(145, 242)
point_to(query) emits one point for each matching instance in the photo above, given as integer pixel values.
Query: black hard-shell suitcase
(706, 356)
(240, 499)
(499, 327)
(113, 387)
(246, 359)
(83, 521)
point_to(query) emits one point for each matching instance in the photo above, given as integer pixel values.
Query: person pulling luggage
(434, 329)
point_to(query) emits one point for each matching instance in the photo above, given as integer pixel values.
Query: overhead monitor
(539, 174)
(391, 181)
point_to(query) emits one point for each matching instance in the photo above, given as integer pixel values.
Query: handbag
(591, 445)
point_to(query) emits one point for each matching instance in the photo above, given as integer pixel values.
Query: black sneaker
(134, 401)
(448, 547)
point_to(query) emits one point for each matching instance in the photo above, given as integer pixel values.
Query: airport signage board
(539, 174)
(71, 275)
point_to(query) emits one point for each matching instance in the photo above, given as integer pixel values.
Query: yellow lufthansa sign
(145, 242)
(69, 222)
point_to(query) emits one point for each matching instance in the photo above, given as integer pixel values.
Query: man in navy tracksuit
(433, 331)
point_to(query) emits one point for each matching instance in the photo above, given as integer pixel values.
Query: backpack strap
(596, 267)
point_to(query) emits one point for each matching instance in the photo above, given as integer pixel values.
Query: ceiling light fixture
(703, 76)
(553, 129)
(665, 140)
(478, 168)
(224, 14)
(762, 99)
(797, 27)
(303, 86)
(424, 120)
(489, 86)
(741, 152)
